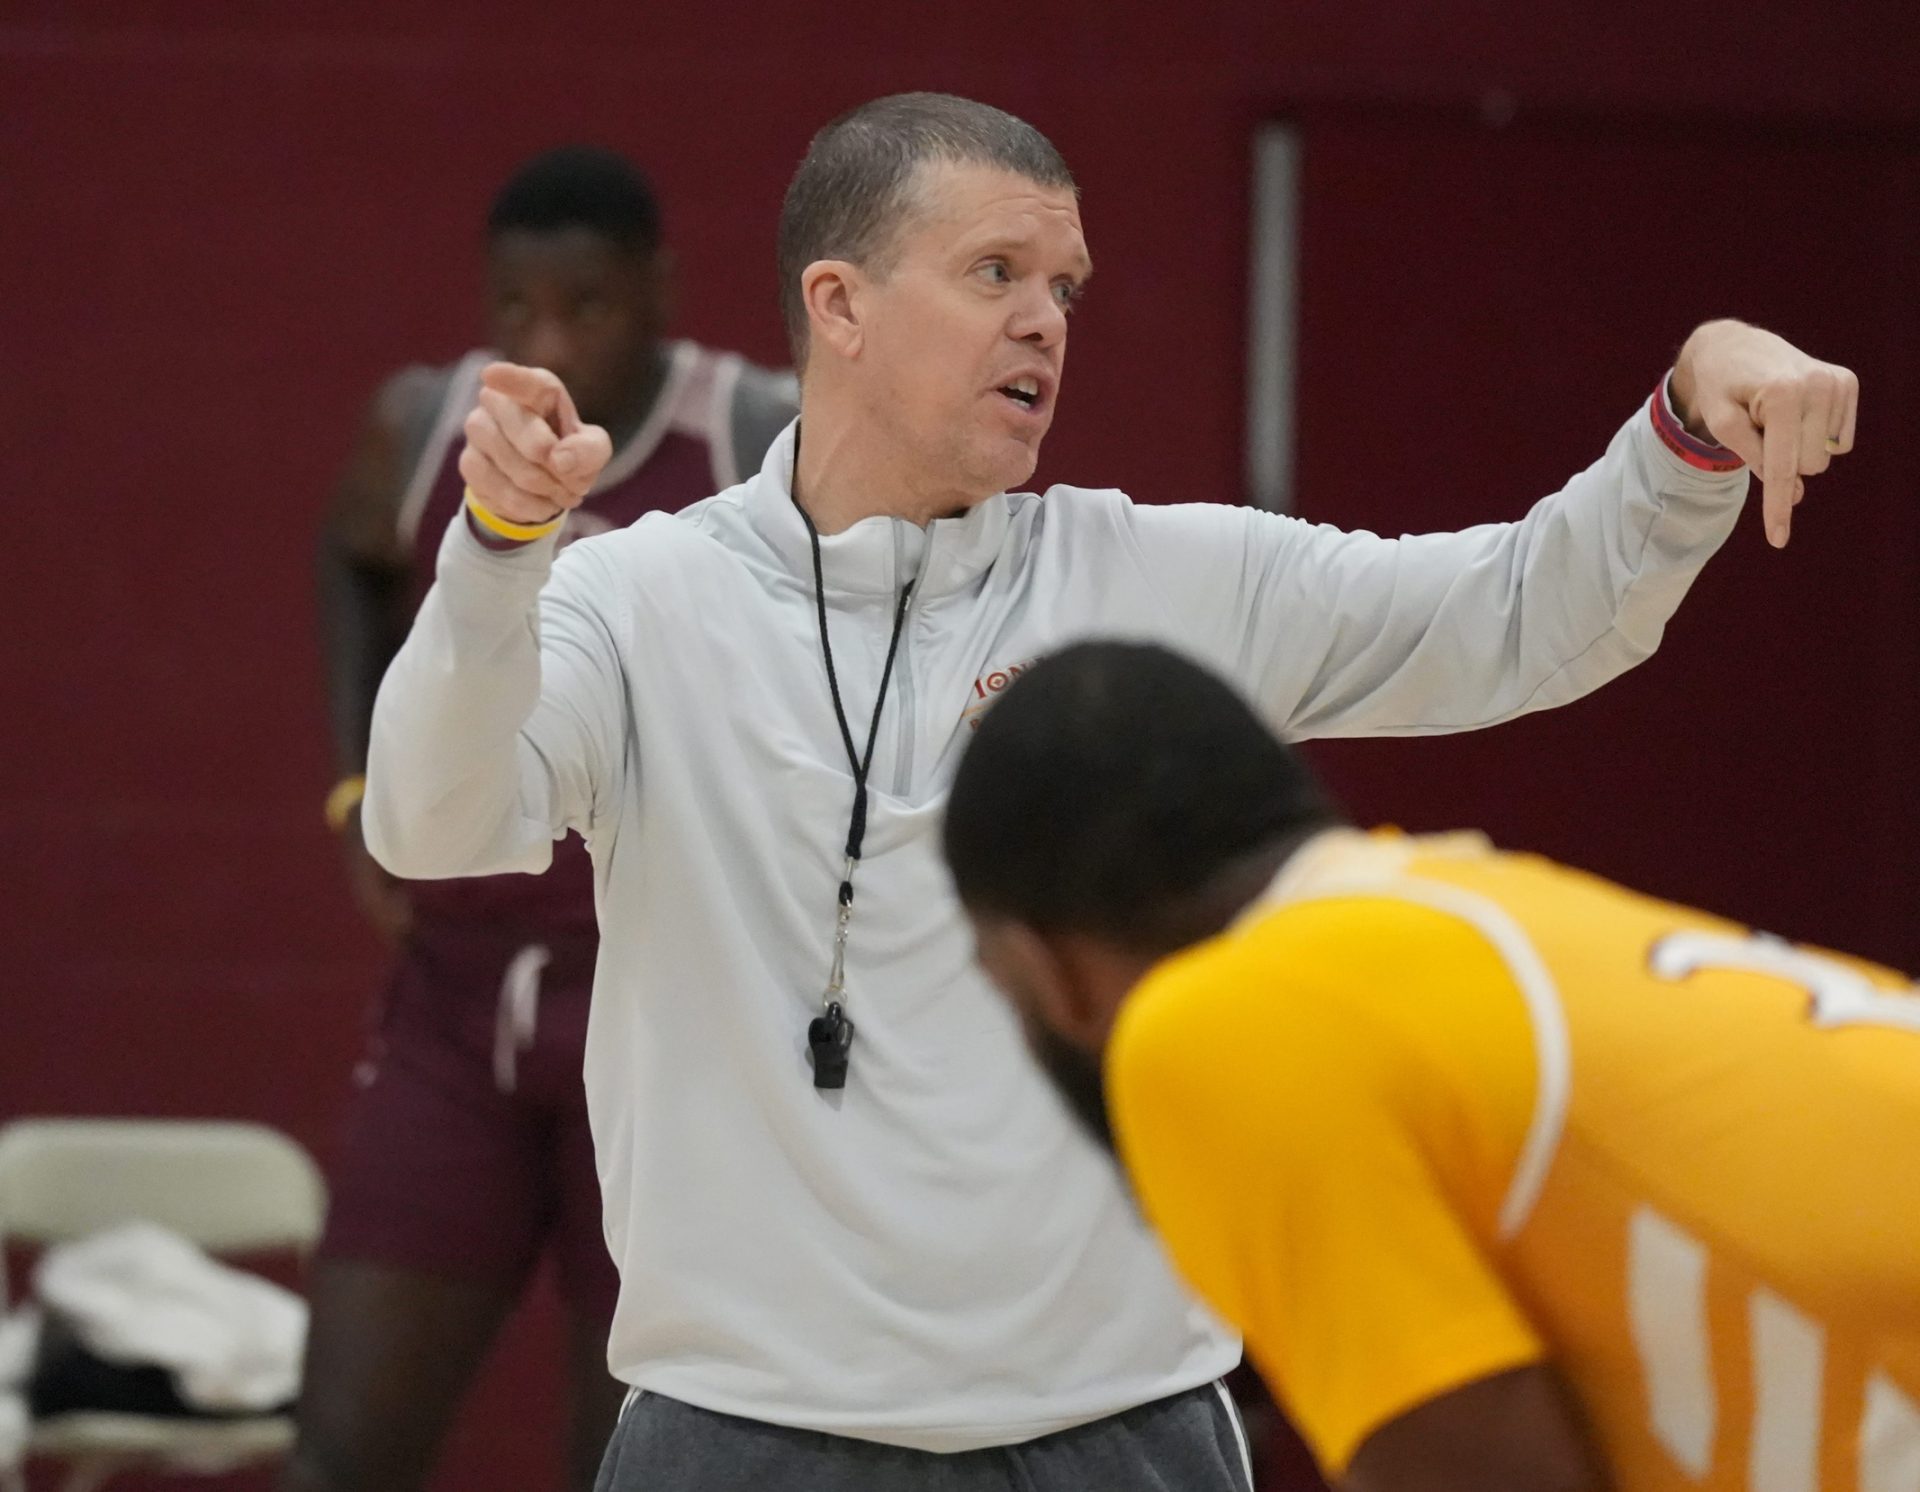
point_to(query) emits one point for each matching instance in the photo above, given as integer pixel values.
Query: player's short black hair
(580, 186)
(1109, 790)
(853, 189)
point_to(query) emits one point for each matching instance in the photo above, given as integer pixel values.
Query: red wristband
(1702, 455)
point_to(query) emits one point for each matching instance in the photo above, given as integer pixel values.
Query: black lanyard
(830, 1034)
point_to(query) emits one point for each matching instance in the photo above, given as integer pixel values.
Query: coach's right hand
(528, 457)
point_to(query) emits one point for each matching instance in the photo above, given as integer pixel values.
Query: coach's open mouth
(1028, 392)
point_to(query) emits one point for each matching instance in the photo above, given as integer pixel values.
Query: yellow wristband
(493, 523)
(346, 795)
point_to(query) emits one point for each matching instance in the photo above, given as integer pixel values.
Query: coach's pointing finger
(540, 391)
(533, 407)
(1785, 414)
(521, 456)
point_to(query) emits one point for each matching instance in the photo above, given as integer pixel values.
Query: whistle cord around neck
(830, 1034)
(861, 765)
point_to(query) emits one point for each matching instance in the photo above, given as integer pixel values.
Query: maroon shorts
(467, 1150)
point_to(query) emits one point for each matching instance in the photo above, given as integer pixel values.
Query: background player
(467, 1154)
(1450, 1133)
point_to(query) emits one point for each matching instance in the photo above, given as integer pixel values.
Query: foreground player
(467, 1154)
(1512, 1178)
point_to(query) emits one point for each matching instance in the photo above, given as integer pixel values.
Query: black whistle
(829, 1039)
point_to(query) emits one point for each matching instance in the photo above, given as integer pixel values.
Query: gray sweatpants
(1191, 1442)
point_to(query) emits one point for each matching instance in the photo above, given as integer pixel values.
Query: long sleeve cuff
(1702, 455)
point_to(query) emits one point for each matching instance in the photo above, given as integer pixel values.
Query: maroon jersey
(689, 447)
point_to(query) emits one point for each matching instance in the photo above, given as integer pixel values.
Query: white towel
(139, 1294)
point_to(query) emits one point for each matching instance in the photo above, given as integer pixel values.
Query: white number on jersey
(1841, 996)
(1667, 1271)
(1667, 1277)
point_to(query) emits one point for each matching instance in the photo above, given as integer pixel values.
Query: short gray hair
(853, 190)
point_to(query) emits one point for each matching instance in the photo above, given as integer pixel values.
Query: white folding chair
(229, 1187)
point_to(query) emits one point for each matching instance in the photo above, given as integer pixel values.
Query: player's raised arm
(498, 724)
(1350, 634)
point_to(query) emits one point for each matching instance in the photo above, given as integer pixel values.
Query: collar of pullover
(876, 556)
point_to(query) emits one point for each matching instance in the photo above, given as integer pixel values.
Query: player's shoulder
(415, 393)
(407, 388)
(760, 392)
(415, 418)
(1344, 891)
(763, 403)
(1300, 968)
(1356, 951)
(728, 401)
(1438, 912)
(707, 379)
(1237, 1014)
(402, 437)
(1236, 1048)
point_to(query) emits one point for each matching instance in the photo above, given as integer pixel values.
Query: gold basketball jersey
(1431, 1111)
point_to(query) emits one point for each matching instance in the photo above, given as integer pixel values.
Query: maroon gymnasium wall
(218, 234)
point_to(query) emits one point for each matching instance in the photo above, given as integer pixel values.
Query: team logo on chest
(988, 687)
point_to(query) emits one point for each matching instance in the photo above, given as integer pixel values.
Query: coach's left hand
(1783, 413)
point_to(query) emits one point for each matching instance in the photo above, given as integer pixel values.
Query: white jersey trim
(454, 404)
(1552, 1046)
(718, 423)
(682, 359)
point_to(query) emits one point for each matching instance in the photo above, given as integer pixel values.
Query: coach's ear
(830, 290)
(1515, 1430)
